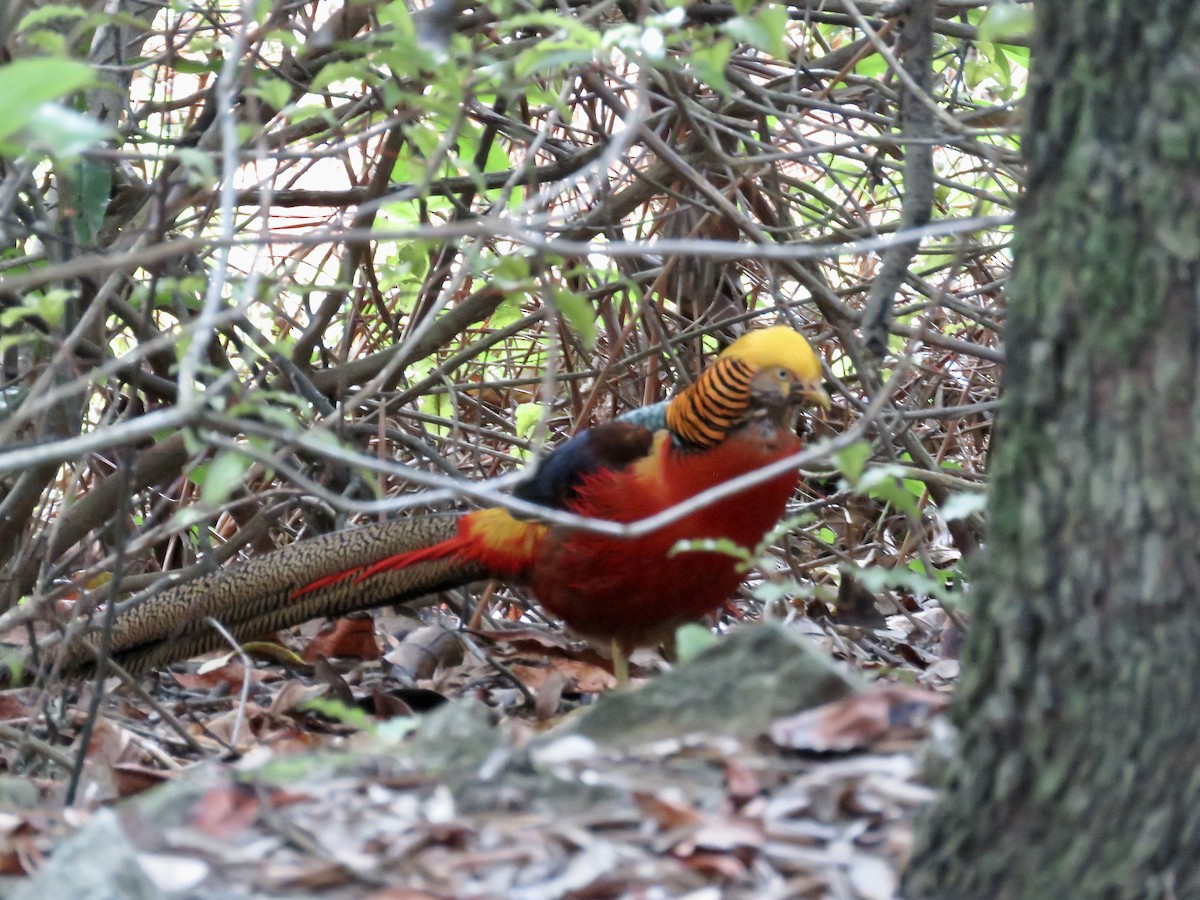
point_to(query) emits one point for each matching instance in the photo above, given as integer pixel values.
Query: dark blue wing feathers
(613, 445)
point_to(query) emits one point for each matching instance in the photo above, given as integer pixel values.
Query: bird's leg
(620, 664)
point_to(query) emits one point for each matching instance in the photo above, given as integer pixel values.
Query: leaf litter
(520, 778)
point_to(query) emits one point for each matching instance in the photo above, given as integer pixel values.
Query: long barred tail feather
(410, 586)
(443, 550)
(287, 587)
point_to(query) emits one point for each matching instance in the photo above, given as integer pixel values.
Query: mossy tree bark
(1078, 773)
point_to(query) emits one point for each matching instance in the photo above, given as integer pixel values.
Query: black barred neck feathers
(774, 366)
(708, 410)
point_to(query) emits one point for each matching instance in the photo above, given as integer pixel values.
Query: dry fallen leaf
(352, 637)
(14, 706)
(872, 878)
(860, 720)
(232, 675)
(583, 677)
(173, 873)
(295, 694)
(423, 651)
(224, 812)
(667, 813)
(131, 778)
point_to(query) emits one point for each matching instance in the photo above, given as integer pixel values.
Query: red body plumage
(636, 591)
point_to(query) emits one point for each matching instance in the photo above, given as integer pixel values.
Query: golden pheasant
(736, 418)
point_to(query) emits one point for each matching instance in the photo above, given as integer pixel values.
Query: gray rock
(737, 687)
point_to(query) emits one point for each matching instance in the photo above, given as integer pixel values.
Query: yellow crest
(778, 345)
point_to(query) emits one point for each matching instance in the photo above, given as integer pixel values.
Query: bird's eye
(782, 374)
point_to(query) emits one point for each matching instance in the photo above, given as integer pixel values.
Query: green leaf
(871, 66)
(764, 30)
(578, 312)
(91, 185)
(710, 62)
(51, 13)
(876, 579)
(784, 527)
(28, 83)
(565, 30)
(774, 19)
(1019, 55)
(275, 92)
(1006, 20)
(693, 639)
(713, 545)
(283, 419)
(186, 66)
(13, 663)
(941, 575)
(843, 367)
(853, 460)
(541, 61)
(568, 42)
(52, 306)
(437, 405)
(354, 72)
(304, 110)
(49, 307)
(200, 168)
(507, 312)
(49, 43)
(407, 55)
(394, 731)
(884, 483)
(777, 591)
(1003, 69)
(528, 417)
(340, 712)
(410, 263)
(9, 341)
(498, 159)
(511, 273)
(219, 478)
(961, 506)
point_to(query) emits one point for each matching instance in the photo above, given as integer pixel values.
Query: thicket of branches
(272, 269)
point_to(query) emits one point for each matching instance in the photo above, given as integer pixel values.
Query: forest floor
(782, 761)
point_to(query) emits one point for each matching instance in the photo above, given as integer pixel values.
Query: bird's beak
(815, 394)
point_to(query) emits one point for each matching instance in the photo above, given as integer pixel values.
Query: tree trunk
(1078, 774)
